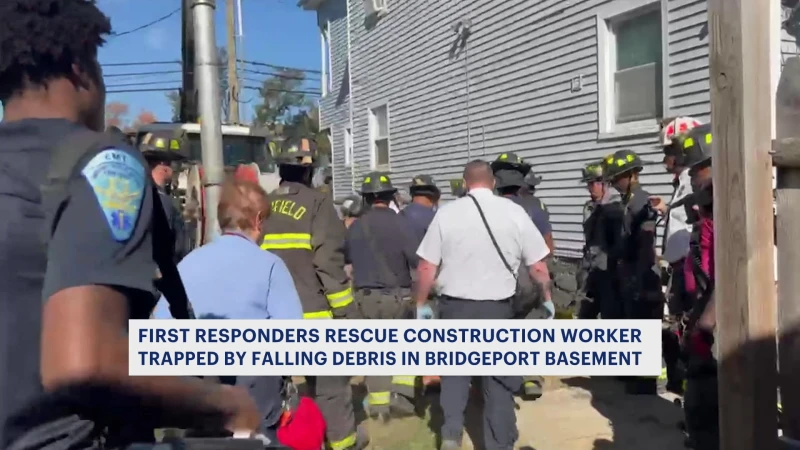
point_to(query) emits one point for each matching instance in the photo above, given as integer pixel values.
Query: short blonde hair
(239, 203)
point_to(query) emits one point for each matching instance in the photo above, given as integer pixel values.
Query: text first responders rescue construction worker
(87, 195)
(595, 277)
(478, 281)
(381, 246)
(637, 270)
(306, 233)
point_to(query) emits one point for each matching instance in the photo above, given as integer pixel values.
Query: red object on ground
(303, 428)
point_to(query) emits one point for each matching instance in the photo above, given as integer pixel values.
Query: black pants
(678, 299)
(603, 299)
(499, 417)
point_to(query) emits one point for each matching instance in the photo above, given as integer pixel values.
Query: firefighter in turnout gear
(457, 188)
(675, 244)
(595, 282)
(701, 408)
(381, 246)
(637, 270)
(306, 233)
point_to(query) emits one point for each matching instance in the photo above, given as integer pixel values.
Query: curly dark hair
(42, 39)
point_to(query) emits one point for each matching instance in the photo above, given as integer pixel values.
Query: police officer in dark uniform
(160, 161)
(637, 270)
(87, 195)
(306, 233)
(424, 200)
(595, 280)
(381, 246)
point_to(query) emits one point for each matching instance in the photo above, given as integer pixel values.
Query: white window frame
(611, 13)
(348, 147)
(327, 66)
(374, 137)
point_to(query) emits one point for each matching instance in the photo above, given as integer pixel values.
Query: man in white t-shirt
(477, 280)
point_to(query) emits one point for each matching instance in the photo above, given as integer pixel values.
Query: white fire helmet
(676, 127)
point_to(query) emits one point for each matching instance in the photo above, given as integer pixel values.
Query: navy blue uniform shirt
(102, 237)
(419, 217)
(393, 238)
(540, 217)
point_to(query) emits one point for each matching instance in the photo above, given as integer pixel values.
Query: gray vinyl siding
(522, 57)
(334, 107)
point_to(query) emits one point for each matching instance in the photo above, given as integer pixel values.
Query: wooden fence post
(744, 287)
(787, 161)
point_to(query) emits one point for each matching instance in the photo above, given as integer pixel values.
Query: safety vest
(304, 230)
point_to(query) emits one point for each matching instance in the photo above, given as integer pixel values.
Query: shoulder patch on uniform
(118, 181)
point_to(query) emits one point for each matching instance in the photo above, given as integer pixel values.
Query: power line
(291, 91)
(254, 63)
(279, 75)
(159, 72)
(123, 91)
(143, 63)
(147, 25)
(170, 89)
(273, 66)
(141, 83)
(288, 91)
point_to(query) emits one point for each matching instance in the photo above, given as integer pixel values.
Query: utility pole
(188, 93)
(233, 78)
(210, 128)
(744, 289)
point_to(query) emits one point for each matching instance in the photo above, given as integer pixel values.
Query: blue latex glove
(424, 312)
(551, 309)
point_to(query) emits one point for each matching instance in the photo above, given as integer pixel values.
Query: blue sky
(275, 32)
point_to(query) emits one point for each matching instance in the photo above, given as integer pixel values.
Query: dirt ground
(574, 414)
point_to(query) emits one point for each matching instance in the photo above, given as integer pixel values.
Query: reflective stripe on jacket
(304, 230)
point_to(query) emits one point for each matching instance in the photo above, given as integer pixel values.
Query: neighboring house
(435, 83)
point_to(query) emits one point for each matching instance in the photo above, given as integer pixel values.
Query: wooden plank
(788, 239)
(741, 113)
(786, 152)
